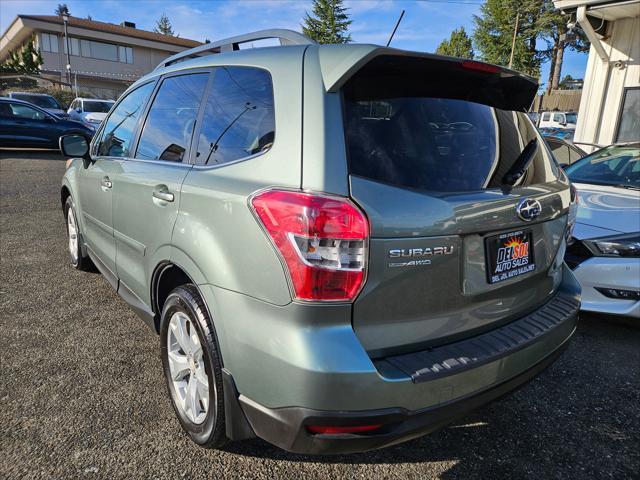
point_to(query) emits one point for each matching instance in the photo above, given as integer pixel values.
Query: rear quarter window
(238, 119)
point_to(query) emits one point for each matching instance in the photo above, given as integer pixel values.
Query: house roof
(115, 29)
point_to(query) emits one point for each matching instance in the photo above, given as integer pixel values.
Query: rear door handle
(163, 195)
(106, 183)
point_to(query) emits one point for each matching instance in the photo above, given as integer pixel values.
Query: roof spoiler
(286, 37)
(423, 74)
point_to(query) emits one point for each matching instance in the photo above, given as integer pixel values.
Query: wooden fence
(562, 100)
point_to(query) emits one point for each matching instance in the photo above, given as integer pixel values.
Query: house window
(125, 54)
(98, 50)
(49, 43)
(629, 121)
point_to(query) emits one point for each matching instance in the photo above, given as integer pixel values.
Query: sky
(425, 24)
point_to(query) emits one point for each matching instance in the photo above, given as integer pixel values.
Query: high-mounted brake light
(479, 66)
(322, 239)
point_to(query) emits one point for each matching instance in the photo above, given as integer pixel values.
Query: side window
(167, 132)
(26, 112)
(238, 118)
(118, 131)
(558, 117)
(560, 152)
(546, 116)
(574, 155)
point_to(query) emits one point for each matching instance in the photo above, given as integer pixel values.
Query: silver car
(605, 254)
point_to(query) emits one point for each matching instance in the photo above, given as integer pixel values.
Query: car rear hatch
(467, 209)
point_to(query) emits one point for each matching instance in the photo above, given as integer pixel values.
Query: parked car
(560, 120)
(562, 133)
(339, 250)
(605, 253)
(23, 125)
(89, 111)
(564, 151)
(42, 100)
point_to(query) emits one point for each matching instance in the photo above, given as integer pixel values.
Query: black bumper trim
(285, 427)
(470, 353)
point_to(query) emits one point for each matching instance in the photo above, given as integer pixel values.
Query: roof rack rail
(286, 37)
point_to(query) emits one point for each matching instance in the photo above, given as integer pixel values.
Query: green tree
(494, 29)
(26, 59)
(163, 25)
(62, 9)
(328, 23)
(553, 26)
(458, 45)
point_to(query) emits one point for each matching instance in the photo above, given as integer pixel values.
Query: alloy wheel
(187, 368)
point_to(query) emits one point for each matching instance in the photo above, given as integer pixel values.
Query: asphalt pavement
(82, 393)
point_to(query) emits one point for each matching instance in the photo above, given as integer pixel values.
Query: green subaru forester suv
(342, 247)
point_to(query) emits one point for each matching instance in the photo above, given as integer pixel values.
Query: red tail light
(322, 239)
(337, 430)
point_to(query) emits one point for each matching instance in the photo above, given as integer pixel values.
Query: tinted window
(558, 117)
(560, 151)
(43, 101)
(26, 112)
(169, 126)
(119, 127)
(615, 166)
(629, 126)
(546, 116)
(97, 107)
(238, 118)
(436, 144)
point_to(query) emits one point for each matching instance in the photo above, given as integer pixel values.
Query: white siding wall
(604, 84)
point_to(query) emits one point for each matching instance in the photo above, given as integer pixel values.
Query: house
(610, 105)
(104, 58)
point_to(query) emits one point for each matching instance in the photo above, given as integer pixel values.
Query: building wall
(604, 84)
(144, 60)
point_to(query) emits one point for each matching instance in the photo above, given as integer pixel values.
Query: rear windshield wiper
(521, 164)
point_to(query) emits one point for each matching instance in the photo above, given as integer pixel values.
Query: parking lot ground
(82, 393)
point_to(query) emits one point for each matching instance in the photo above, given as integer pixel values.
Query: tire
(79, 260)
(204, 421)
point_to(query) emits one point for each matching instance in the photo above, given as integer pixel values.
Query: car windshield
(617, 165)
(571, 117)
(97, 107)
(43, 101)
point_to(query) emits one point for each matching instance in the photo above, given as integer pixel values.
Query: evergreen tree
(458, 45)
(328, 23)
(494, 29)
(26, 59)
(62, 9)
(554, 32)
(163, 25)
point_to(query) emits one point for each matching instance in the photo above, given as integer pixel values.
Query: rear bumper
(286, 427)
(416, 393)
(609, 272)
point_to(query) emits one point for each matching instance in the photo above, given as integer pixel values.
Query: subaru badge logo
(528, 209)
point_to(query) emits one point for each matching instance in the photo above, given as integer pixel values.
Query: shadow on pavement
(31, 154)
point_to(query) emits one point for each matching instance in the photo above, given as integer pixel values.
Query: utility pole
(65, 19)
(513, 42)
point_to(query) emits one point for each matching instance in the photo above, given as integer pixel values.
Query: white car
(605, 253)
(560, 120)
(89, 111)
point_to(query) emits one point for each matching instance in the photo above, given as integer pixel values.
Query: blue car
(24, 125)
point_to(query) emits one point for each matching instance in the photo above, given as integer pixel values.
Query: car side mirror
(75, 145)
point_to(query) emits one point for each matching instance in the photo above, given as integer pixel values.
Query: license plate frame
(509, 255)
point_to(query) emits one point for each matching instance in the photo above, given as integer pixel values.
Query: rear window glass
(438, 144)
